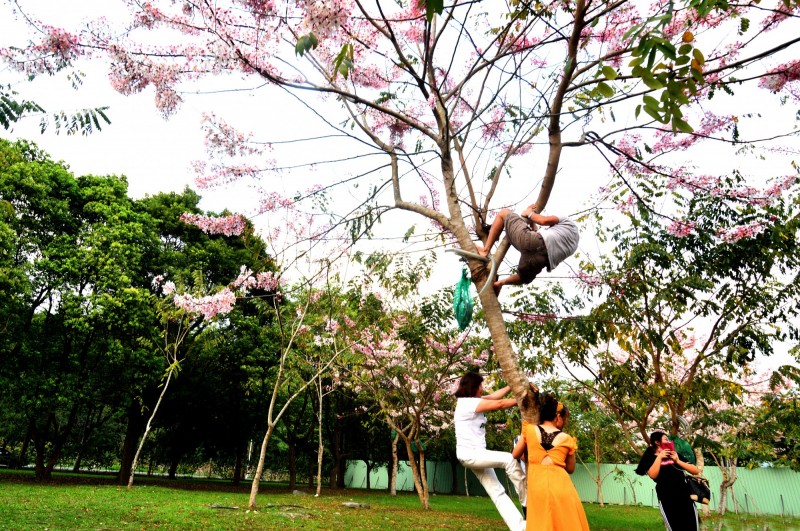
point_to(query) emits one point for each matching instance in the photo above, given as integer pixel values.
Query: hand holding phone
(670, 447)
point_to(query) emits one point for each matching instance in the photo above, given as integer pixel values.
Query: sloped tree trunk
(134, 427)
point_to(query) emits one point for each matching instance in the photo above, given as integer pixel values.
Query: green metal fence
(774, 491)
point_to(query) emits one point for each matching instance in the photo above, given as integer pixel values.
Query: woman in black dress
(665, 467)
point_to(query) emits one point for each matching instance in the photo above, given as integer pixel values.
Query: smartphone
(667, 445)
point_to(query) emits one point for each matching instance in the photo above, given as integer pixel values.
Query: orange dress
(553, 502)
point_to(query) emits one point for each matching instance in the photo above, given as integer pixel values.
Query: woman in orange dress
(553, 502)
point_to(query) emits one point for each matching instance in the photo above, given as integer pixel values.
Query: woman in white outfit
(470, 423)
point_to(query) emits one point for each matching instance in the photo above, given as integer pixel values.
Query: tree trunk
(701, 464)
(22, 458)
(148, 426)
(135, 425)
(320, 447)
(526, 396)
(259, 469)
(417, 471)
(40, 470)
(599, 478)
(728, 469)
(393, 475)
(335, 446)
(238, 467)
(292, 466)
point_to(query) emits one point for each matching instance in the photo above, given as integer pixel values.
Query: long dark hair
(656, 436)
(469, 385)
(550, 408)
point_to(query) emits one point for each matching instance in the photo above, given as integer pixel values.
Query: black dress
(677, 508)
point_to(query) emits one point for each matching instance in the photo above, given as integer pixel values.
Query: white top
(470, 426)
(561, 240)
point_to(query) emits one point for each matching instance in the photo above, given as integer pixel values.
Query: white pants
(482, 462)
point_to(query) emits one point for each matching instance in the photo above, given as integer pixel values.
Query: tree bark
(238, 467)
(132, 431)
(393, 475)
(148, 426)
(259, 469)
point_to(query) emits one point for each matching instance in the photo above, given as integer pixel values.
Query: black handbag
(699, 491)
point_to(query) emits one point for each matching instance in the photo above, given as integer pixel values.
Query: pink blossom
(232, 225)
(493, 128)
(589, 280)
(776, 79)
(743, 231)
(681, 229)
(208, 306)
(326, 16)
(538, 318)
(169, 287)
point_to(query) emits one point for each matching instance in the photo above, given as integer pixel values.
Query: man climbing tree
(538, 249)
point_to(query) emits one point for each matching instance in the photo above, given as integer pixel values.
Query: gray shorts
(530, 244)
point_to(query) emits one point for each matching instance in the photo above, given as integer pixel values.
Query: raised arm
(547, 221)
(495, 401)
(497, 395)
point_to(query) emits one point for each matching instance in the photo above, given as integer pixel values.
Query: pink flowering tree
(405, 365)
(436, 106)
(743, 426)
(665, 318)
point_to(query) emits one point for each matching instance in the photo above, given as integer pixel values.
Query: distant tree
(81, 256)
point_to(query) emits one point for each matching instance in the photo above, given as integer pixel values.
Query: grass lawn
(93, 502)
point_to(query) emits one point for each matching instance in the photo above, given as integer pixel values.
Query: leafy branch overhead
(85, 121)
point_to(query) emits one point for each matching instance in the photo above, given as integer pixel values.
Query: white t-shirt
(561, 240)
(470, 426)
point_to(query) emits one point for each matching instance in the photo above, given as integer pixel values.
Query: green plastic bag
(684, 450)
(462, 301)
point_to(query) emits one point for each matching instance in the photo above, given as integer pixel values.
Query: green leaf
(650, 101)
(605, 89)
(668, 50)
(652, 82)
(610, 73)
(678, 124)
(305, 44)
(432, 7)
(343, 62)
(698, 56)
(685, 48)
(654, 114)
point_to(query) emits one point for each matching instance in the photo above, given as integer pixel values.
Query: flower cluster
(324, 17)
(748, 230)
(57, 49)
(264, 280)
(777, 78)
(588, 280)
(232, 225)
(209, 306)
(680, 228)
